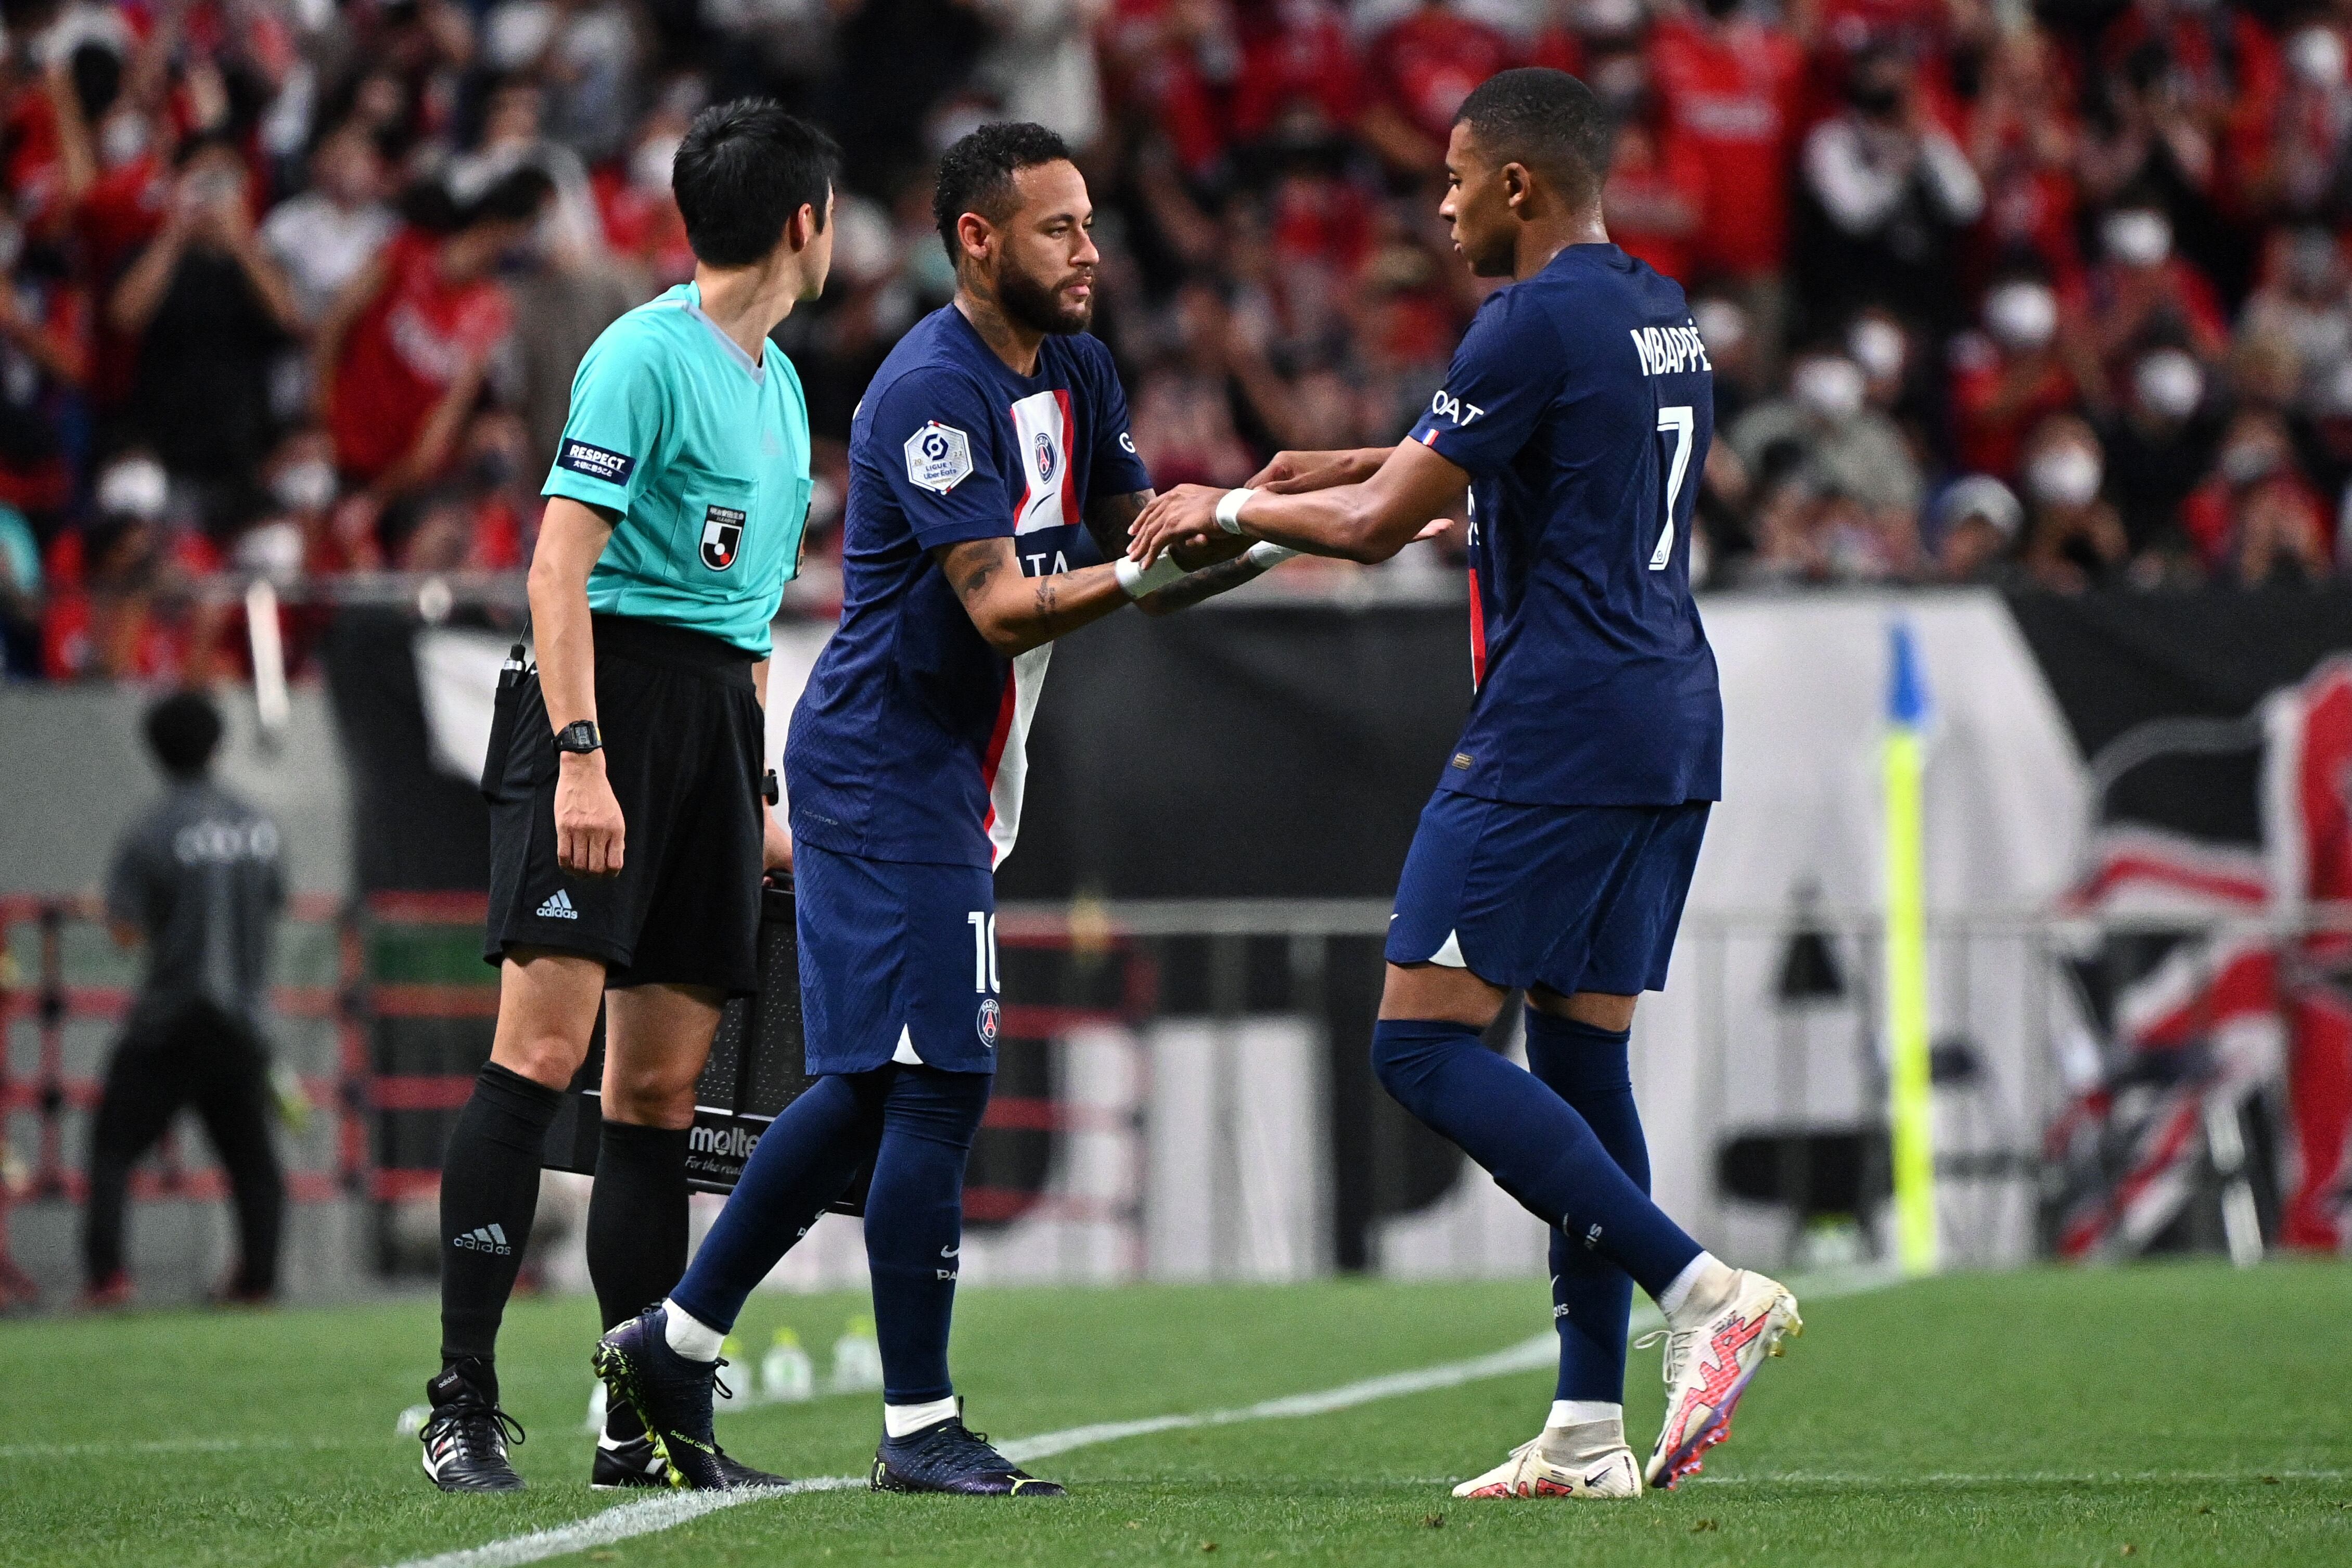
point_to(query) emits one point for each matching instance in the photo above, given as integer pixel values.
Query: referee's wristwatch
(580, 735)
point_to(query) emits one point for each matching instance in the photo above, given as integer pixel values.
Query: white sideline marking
(2013, 1477)
(627, 1520)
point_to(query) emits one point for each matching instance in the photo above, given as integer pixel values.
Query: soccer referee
(628, 836)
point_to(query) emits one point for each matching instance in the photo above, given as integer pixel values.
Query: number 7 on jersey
(1677, 420)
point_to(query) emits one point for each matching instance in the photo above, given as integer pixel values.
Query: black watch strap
(580, 735)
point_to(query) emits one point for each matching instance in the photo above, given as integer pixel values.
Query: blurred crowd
(294, 289)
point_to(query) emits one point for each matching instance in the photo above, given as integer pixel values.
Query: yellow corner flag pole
(1913, 1107)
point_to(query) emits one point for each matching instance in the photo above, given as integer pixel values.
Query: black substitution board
(757, 1067)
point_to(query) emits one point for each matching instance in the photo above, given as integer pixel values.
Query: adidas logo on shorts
(558, 907)
(484, 1238)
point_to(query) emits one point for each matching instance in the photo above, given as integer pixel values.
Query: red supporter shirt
(1427, 64)
(1656, 187)
(1731, 95)
(1303, 53)
(1991, 438)
(407, 349)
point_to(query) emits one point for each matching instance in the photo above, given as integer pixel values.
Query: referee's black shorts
(684, 748)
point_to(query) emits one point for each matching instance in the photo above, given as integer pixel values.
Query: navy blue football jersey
(1581, 403)
(911, 742)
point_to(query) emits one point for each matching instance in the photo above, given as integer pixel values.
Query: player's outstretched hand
(1293, 472)
(589, 830)
(1175, 517)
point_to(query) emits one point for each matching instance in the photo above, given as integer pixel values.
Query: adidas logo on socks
(484, 1238)
(558, 907)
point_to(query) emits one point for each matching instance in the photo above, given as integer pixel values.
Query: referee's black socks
(489, 1192)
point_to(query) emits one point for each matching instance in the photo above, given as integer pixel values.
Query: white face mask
(2022, 317)
(1722, 326)
(273, 549)
(1877, 347)
(2137, 236)
(307, 486)
(2245, 461)
(2065, 476)
(649, 165)
(2170, 382)
(2317, 56)
(1829, 388)
(121, 138)
(135, 487)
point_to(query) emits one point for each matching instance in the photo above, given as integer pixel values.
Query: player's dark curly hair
(1546, 119)
(741, 171)
(183, 731)
(976, 174)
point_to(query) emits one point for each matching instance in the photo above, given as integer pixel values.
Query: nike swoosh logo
(951, 1251)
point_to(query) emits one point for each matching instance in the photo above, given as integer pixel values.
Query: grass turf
(2167, 1414)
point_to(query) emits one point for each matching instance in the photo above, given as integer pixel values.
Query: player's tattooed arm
(1015, 612)
(1217, 566)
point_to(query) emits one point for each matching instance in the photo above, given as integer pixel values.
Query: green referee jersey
(704, 452)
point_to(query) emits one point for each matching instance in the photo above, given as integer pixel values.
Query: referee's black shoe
(622, 1463)
(467, 1436)
(672, 1395)
(949, 1457)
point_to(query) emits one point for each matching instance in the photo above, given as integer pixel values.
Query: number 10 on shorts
(984, 950)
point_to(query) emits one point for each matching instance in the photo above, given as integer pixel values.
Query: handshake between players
(995, 503)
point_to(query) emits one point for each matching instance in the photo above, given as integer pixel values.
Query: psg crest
(989, 1014)
(1047, 458)
(722, 537)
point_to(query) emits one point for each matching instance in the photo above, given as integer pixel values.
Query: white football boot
(1710, 1356)
(1538, 1468)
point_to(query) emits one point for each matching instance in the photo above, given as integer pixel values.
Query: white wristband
(1265, 554)
(1138, 581)
(1228, 509)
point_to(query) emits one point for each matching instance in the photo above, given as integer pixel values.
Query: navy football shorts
(1572, 898)
(898, 963)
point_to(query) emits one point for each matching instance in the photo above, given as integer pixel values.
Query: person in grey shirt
(199, 881)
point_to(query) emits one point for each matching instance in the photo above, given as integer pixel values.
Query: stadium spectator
(2258, 517)
(321, 238)
(1731, 86)
(20, 596)
(1977, 520)
(2073, 538)
(209, 308)
(2011, 376)
(1895, 191)
(2158, 448)
(45, 346)
(2140, 295)
(1845, 448)
(2305, 308)
(403, 354)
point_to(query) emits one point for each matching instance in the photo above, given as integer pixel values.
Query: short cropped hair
(976, 174)
(184, 730)
(1546, 119)
(741, 171)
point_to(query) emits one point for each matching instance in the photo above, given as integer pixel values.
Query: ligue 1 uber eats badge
(722, 537)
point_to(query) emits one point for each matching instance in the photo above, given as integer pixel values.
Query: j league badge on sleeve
(939, 457)
(722, 537)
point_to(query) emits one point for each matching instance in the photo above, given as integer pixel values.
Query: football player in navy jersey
(993, 481)
(1555, 854)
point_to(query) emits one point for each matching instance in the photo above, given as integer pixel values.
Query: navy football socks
(1535, 1144)
(914, 1225)
(1590, 1068)
(917, 1124)
(806, 1158)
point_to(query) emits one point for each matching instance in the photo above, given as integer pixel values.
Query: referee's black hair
(744, 168)
(183, 731)
(1546, 119)
(976, 174)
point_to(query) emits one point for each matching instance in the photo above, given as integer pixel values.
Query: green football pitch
(2168, 1414)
